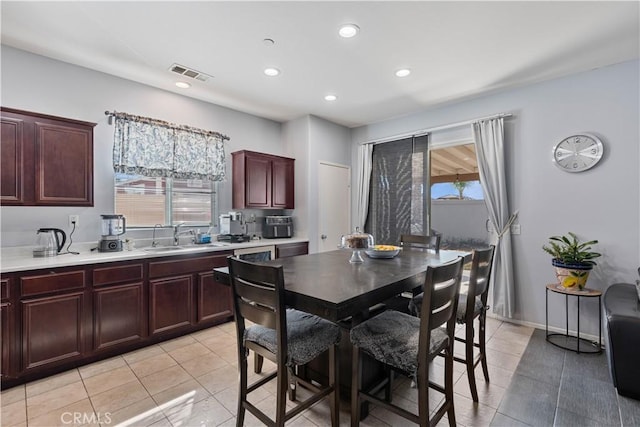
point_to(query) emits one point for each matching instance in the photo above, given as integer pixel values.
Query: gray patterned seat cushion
(415, 305)
(392, 338)
(307, 336)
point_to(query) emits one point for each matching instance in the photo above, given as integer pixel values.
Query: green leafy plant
(569, 250)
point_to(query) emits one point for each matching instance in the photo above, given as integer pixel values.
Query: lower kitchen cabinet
(54, 320)
(119, 315)
(214, 299)
(52, 330)
(170, 303)
(292, 249)
(119, 309)
(6, 314)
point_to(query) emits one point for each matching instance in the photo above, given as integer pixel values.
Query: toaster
(277, 227)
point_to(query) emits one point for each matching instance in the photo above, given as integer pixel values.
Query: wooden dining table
(327, 285)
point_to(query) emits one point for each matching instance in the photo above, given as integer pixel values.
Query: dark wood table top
(327, 285)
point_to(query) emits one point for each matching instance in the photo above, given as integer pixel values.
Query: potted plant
(572, 259)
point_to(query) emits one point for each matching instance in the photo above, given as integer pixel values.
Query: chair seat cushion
(415, 305)
(462, 308)
(392, 338)
(307, 336)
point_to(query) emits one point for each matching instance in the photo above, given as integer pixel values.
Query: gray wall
(602, 203)
(310, 140)
(35, 83)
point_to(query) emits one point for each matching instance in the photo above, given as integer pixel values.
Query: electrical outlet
(74, 219)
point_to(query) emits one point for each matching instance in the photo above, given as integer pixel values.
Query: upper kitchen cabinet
(45, 160)
(262, 181)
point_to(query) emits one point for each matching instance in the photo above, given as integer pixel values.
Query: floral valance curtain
(154, 148)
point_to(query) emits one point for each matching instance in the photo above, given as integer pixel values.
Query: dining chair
(407, 344)
(288, 337)
(472, 305)
(420, 241)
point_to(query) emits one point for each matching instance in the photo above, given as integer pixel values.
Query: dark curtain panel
(396, 201)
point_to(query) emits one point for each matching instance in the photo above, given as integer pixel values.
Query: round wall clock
(578, 152)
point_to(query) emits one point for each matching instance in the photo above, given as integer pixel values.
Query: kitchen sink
(185, 247)
(163, 249)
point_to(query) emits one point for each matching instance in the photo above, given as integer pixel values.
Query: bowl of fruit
(383, 251)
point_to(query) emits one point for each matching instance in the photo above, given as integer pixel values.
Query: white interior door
(334, 204)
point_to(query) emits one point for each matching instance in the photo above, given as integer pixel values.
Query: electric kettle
(49, 242)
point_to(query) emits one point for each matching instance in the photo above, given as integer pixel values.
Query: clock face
(578, 153)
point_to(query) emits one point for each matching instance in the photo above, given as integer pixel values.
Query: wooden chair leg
(291, 384)
(471, 375)
(257, 363)
(281, 395)
(387, 388)
(242, 388)
(356, 379)
(334, 402)
(448, 386)
(482, 341)
(423, 399)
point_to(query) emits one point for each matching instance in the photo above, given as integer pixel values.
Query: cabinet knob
(323, 237)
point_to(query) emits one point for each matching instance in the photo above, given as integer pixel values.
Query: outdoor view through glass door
(456, 200)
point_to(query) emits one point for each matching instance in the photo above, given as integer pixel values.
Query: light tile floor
(192, 381)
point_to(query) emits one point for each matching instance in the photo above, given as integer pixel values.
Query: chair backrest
(481, 264)
(440, 302)
(421, 242)
(258, 296)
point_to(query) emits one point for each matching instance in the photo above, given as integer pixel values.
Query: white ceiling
(456, 50)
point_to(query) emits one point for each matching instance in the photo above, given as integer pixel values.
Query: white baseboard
(588, 337)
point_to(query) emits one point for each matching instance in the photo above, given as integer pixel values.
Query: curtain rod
(152, 121)
(423, 132)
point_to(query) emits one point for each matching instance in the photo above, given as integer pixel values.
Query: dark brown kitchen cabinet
(53, 314)
(118, 305)
(60, 318)
(6, 319)
(45, 160)
(170, 303)
(262, 181)
(183, 293)
(292, 249)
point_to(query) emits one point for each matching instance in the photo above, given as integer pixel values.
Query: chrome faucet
(153, 239)
(177, 233)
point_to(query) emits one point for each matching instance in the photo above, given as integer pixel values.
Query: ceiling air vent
(189, 72)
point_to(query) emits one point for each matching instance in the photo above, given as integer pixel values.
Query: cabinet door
(214, 300)
(64, 165)
(52, 330)
(258, 182)
(171, 303)
(283, 191)
(12, 168)
(119, 315)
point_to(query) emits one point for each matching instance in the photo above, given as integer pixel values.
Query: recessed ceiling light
(271, 72)
(330, 98)
(183, 85)
(348, 30)
(403, 72)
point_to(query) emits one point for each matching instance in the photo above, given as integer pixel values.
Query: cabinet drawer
(4, 289)
(51, 282)
(117, 274)
(175, 267)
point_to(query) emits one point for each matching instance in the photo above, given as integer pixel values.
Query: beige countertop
(21, 258)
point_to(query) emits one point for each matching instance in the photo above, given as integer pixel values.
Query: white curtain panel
(365, 152)
(489, 139)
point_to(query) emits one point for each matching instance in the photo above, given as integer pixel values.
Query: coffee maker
(113, 226)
